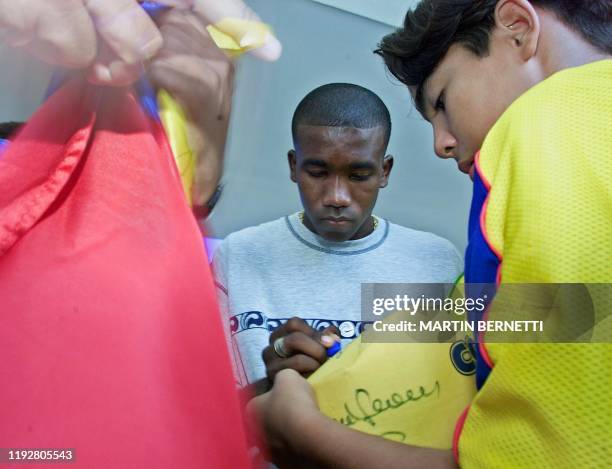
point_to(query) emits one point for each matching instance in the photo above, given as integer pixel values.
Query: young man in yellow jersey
(518, 93)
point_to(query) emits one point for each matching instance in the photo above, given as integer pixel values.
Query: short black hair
(9, 129)
(412, 52)
(342, 105)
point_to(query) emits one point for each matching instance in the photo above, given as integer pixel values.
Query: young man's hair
(342, 105)
(413, 52)
(9, 129)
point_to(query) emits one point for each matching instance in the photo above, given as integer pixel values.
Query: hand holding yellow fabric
(199, 78)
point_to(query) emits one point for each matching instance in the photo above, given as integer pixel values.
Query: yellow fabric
(236, 36)
(404, 392)
(408, 392)
(175, 124)
(549, 162)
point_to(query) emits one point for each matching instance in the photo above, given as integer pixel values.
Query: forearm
(207, 141)
(207, 132)
(326, 443)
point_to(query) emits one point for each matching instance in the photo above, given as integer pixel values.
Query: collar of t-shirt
(350, 247)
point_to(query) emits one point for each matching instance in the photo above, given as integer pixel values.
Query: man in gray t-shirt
(311, 264)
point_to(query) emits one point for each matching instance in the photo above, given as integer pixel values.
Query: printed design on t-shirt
(242, 322)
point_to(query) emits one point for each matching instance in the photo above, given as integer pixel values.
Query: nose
(337, 193)
(445, 144)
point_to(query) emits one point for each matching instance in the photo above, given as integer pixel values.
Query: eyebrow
(362, 165)
(314, 162)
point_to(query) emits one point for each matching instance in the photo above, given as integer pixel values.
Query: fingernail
(270, 51)
(102, 73)
(336, 337)
(327, 340)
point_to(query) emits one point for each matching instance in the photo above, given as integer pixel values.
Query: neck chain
(374, 220)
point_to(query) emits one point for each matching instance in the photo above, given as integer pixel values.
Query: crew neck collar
(342, 248)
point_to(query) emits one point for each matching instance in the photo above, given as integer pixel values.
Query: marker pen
(334, 349)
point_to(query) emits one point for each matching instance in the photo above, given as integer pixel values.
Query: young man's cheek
(367, 188)
(365, 196)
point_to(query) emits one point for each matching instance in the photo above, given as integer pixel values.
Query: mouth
(337, 220)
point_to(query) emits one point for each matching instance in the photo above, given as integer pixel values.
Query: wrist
(303, 428)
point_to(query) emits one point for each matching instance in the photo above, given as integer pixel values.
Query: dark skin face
(339, 171)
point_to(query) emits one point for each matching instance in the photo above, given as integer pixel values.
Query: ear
(387, 167)
(291, 157)
(519, 24)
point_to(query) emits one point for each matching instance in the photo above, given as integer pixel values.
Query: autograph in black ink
(366, 409)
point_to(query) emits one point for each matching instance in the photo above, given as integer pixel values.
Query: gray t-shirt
(270, 273)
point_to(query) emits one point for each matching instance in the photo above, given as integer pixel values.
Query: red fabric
(110, 338)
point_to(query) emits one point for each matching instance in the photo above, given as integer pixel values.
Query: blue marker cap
(334, 349)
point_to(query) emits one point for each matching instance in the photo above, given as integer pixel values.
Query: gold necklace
(374, 220)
